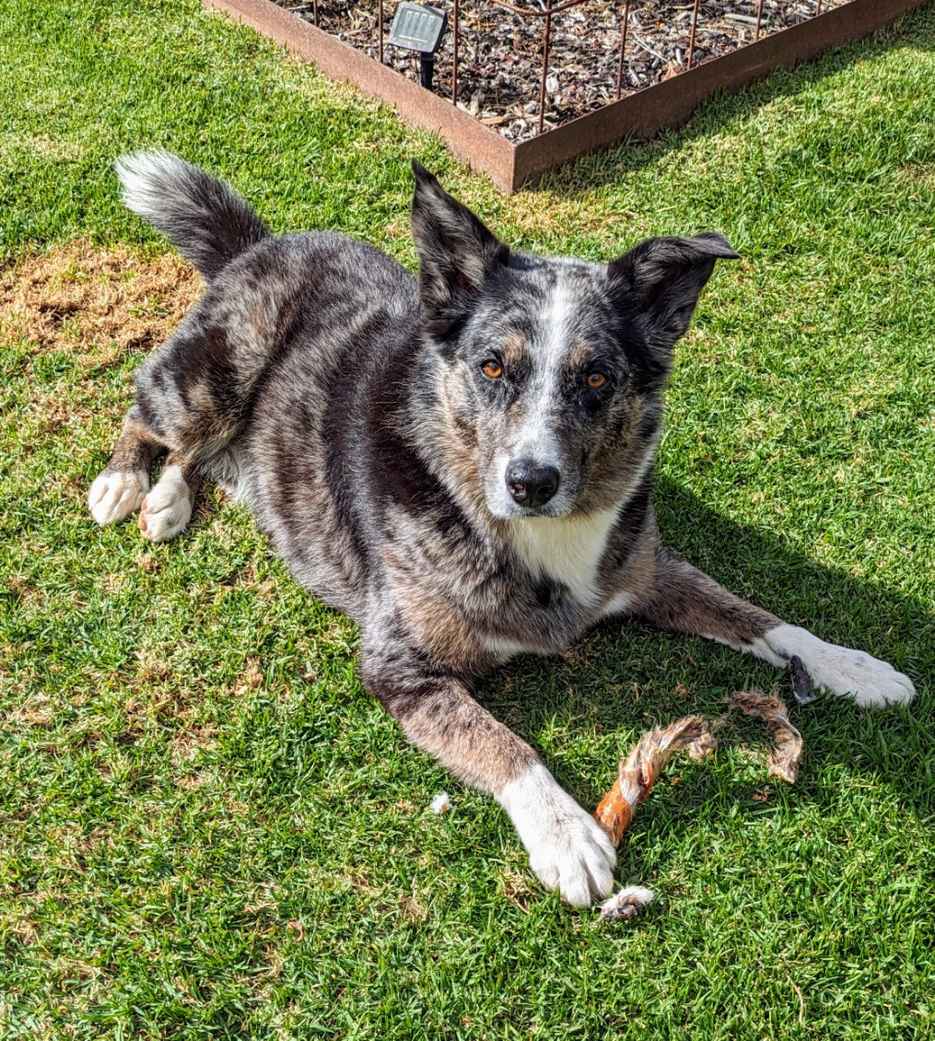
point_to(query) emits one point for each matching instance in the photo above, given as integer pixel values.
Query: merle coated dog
(460, 462)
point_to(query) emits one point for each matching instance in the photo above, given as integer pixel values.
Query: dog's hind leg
(189, 404)
(167, 509)
(119, 489)
(684, 599)
(568, 849)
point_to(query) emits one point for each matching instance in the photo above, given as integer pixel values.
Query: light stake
(418, 27)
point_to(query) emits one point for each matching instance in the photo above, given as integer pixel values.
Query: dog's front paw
(841, 670)
(115, 494)
(573, 855)
(568, 850)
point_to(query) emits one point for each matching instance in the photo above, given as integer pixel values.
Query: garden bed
(522, 106)
(501, 51)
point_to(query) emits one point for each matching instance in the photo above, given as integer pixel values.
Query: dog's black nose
(529, 484)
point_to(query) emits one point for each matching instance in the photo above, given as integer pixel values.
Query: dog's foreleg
(568, 850)
(685, 600)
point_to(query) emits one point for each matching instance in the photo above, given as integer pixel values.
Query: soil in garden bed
(501, 52)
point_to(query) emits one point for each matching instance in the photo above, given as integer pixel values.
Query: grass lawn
(208, 830)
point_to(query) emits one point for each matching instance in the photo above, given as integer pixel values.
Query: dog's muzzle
(531, 485)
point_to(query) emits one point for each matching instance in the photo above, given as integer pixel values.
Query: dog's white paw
(115, 494)
(840, 670)
(168, 507)
(568, 850)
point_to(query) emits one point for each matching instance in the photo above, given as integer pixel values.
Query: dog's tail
(202, 216)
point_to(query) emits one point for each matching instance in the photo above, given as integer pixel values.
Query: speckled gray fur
(347, 405)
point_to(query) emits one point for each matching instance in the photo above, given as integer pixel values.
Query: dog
(462, 462)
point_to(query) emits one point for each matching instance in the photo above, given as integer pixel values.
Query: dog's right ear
(457, 252)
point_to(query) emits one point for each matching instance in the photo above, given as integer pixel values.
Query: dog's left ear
(457, 252)
(658, 283)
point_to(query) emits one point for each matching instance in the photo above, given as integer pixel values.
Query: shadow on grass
(915, 31)
(626, 677)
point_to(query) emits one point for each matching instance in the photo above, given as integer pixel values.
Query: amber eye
(596, 380)
(493, 370)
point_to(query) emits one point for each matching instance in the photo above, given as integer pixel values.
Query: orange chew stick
(640, 769)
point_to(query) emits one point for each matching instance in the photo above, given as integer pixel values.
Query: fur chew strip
(786, 753)
(641, 768)
(650, 755)
(628, 903)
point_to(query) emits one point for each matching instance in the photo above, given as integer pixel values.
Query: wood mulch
(500, 52)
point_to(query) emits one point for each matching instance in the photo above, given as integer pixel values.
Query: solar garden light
(418, 27)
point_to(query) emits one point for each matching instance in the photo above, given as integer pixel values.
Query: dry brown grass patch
(186, 744)
(100, 303)
(413, 909)
(544, 214)
(37, 711)
(517, 889)
(919, 176)
(251, 678)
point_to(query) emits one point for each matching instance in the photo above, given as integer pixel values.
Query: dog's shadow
(624, 678)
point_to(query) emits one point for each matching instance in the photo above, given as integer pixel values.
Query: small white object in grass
(441, 803)
(628, 903)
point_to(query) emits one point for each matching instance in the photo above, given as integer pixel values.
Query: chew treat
(787, 741)
(802, 689)
(703, 745)
(694, 734)
(639, 770)
(627, 903)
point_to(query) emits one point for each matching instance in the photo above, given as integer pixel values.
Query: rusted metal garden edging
(479, 146)
(642, 114)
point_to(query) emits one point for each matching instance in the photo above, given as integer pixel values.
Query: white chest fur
(567, 549)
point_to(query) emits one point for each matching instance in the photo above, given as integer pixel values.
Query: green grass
(191, 848)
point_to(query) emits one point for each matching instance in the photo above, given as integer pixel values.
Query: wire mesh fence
(524, 67)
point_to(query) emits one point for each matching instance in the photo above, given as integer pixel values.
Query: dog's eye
(492, 369)
(596, 380)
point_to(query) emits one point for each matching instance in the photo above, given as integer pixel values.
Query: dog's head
(552, 368)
